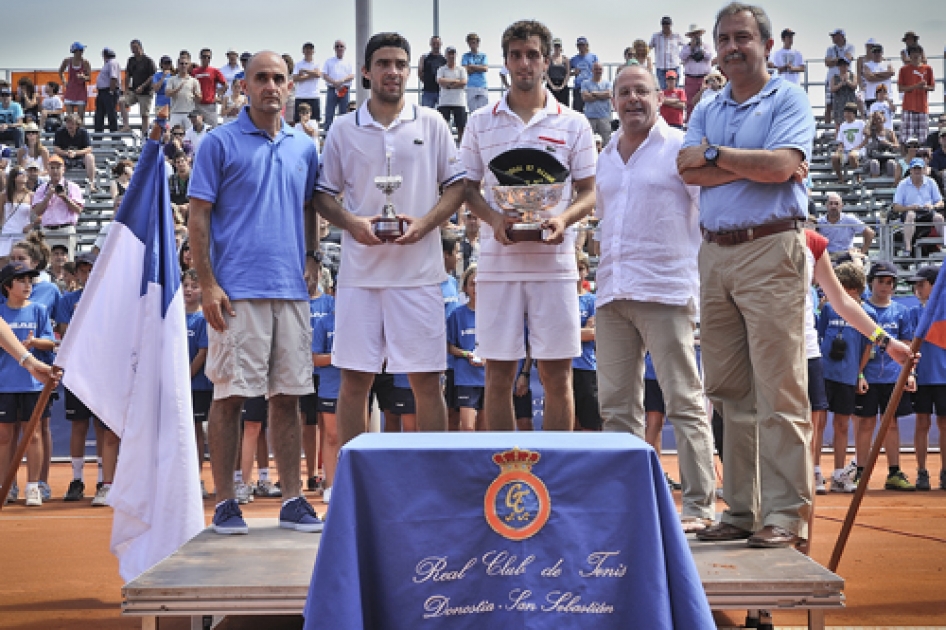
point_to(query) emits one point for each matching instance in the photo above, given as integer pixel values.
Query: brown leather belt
(736, 237)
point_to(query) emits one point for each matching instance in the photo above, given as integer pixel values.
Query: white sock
(32, 484)
(264, 474)
(838, 473)
(238, 476)
(77, 465)
(817, 470)
(98, 461)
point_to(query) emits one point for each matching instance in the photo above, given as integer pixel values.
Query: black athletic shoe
(76, 491)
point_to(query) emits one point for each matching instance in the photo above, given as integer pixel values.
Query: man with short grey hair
(748, 150)
(648, 284)
(596, 93)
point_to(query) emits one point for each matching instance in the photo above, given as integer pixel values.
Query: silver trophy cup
(389, 227)
(528, 205)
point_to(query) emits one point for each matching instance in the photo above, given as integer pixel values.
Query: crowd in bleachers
(875, 165)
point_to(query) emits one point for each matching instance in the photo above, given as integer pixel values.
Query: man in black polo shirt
(73, 145)
(138, 73)
(427, 67)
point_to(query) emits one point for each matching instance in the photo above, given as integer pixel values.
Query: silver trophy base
(389, 229)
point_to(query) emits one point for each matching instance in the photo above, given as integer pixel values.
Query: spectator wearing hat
(139, 72)
(427, 67)
(230, 70)
(308, 80)
(184, 90)
(698, 59)
(908, 151)
(78, 73)
(788, 62)
(839, 49)
(880, 373)
(338, 75)
(476, 65)
(556, 78)
(580, 67)
(918, 200)
(851, 142)
(197, 131)
(74, 146)
(876, 72)
(596, 93)
(884, 105)
(19, 390)
(58, 203)
(453, 81)
(32, 151)
(910, 39)
(930, 395)
(245, 57)
(666, 46)
(915, 81)
(33, 177)
(212, 86)
(51, 110)
(673, 105)
(108, 86)
(843, 92)
(11, 118)
(159, 82)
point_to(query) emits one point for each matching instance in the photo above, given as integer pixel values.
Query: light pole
(362, 33)
(436, 18)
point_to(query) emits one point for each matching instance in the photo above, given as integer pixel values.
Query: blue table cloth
(503, 530)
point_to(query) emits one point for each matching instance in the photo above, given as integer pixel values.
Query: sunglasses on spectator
(177, 133)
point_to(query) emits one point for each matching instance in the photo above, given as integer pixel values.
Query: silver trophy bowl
(527, 204)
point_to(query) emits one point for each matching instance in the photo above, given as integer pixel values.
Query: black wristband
(526, 374)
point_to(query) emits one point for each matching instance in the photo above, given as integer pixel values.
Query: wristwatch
(711, 154)
(882, 341)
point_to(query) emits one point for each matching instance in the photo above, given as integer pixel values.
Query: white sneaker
(820, 486)
(326, 495)
(842, 481)
(101, 496)
(244, 493)
(33, 496)
(267, 489)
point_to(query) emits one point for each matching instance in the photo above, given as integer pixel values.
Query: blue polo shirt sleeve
(207, 171)
(312, 174)
(933, 189)
(899, 196)
(695, 126)
(792, 125)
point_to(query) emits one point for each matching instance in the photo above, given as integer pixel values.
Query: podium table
(503, 530)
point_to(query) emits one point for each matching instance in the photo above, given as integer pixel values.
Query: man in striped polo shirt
(534, 280)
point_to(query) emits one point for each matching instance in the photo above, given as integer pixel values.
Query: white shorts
(403, 325)
(846, 155)
(550, 309)
(266, 350)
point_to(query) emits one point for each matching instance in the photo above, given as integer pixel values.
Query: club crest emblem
(517, 503)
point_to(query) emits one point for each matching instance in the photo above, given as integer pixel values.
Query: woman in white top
(32, 152)
(16, 202)
(233, 102)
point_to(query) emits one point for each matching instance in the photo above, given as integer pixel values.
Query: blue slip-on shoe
(228, 519)
(297, 514)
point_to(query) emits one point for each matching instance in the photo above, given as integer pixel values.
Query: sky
(610, 25)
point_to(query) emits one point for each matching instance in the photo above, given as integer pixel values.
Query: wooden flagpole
(27, 435)
(889, 415)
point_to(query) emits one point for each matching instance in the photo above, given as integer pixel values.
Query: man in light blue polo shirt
(840, 228)
(477, 89)
(252, 232)
(919, 201)
(748, 149)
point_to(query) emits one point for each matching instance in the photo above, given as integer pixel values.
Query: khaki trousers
(625, 329)
(755, 373)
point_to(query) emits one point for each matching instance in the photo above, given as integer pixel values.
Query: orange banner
(41, 77)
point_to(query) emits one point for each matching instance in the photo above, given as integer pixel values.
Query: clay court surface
(57, 571)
